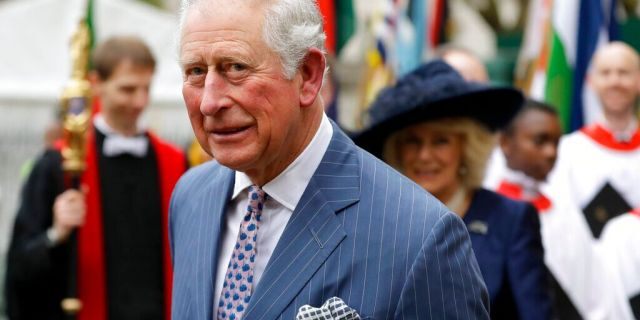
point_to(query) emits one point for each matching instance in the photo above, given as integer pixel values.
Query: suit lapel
(312, 233)
(213, 211)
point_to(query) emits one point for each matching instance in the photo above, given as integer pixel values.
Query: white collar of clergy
(116, 144)
(530, 186)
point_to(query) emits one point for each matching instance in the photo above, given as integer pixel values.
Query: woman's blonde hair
(478, 142)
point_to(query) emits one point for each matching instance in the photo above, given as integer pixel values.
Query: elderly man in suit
(291, 214)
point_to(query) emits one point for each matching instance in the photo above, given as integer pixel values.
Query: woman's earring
(463, 170)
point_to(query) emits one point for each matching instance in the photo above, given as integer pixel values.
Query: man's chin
(540, 177)
(618, 107)
(234, 162)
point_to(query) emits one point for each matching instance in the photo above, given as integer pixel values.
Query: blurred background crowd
(545, 48)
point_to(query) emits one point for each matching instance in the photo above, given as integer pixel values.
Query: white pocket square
(333, 308)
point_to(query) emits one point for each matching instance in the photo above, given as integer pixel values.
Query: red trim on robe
(92, 286)
(514, 191)
(171, 165)
(636, 212)
(96, 106)
(605, 138)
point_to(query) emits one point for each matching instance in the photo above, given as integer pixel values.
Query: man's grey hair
(290, 28)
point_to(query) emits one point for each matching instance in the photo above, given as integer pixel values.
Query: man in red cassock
(123, 262)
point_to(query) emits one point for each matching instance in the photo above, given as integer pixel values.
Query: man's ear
(503, 142)
(312, 72)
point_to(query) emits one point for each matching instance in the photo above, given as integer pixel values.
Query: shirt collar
(116, 144)
(530, 186)
(288, 186)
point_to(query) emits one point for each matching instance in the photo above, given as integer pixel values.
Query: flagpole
(76, 108)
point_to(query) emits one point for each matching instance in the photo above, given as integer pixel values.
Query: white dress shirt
(284, 192)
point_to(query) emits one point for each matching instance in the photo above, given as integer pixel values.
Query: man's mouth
(230, 130)
(231, 134)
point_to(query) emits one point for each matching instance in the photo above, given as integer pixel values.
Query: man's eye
(128, 89)
(237, 67)
(539, 141)
(234, 69)
(195, 75)
(196, 71)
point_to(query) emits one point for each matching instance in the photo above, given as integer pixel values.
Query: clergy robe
(595, 180)
(621, 246)
(123, 263)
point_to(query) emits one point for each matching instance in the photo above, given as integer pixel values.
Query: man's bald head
(617, 50)
(465, 62)
(615, 77)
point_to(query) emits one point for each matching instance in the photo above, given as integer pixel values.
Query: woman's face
(431, 157)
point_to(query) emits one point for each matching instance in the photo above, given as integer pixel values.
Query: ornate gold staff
(76, 108)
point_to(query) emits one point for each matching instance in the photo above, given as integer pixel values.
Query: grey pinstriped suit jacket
(361, 232)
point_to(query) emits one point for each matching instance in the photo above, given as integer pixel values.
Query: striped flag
(389, 39)
(437, 11)
(571, 31)
(345, 23)
(418, 11)
(534, 53)
(597, 25)
(408, 52)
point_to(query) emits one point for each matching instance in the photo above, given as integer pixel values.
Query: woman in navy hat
(435, 127)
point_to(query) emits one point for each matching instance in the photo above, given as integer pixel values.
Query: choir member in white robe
(598, 171)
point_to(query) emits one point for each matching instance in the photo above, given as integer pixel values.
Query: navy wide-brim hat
(433, 91)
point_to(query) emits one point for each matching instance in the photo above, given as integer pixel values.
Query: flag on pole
(419, 17)
(345, 23)
(533, 59)
(390, 39)
(437, 11)
(570, 37)
(408, 50)
(558, 87)
(597, 25)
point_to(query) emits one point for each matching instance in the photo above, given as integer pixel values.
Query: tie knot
(257, 197)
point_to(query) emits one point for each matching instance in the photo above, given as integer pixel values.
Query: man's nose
(141, 98)
(550, 151)
(615, 78)
(214, 96)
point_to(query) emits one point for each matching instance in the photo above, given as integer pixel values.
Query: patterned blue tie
(238, 280)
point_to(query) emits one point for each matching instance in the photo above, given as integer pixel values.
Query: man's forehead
(202, 28)
(209, 17)
(127, 69)
(617, 52)
(535, 118)
(219, 7)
